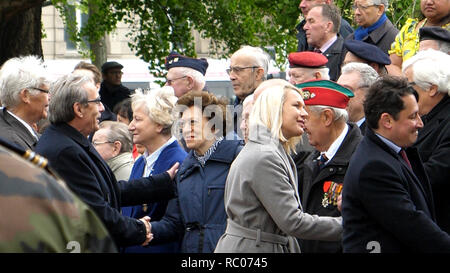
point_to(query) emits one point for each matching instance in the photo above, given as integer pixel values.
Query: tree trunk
(20, 28)
(98, 48)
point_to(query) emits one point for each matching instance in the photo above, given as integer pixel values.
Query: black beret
(367, 52)
(108, 65)
(176, 60)
(434, 33)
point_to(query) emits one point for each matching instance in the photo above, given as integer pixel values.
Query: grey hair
(18, 74)
(196, 75)
(66, 91)
(367, 74)
(259, 56)
(339, 114)
(385, 3)
(118, 131)
(430, 67)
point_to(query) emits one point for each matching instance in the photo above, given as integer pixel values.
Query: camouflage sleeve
(40, 214)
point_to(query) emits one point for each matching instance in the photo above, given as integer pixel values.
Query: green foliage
(160, 26)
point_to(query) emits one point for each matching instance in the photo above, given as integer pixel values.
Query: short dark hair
(385, 96)
(90, 67)
(332, 13)
(124, 109)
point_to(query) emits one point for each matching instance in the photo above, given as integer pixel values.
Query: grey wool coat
(262, 202)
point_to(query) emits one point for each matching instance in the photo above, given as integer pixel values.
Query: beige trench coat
(262, 202)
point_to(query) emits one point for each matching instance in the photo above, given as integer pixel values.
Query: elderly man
(24, 95)
(306, 65)
(111, 89)
(428, 73)
(248, 69)
(374, 26)
(387, 201)
(322, 173)
(362, 52)
(305, 6)
(185, 74)
(357, 77)
(74, 112)
(436, 38)
(322, 25)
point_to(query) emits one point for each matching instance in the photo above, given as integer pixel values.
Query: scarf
(362, 32)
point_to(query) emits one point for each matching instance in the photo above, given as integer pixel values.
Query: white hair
(381, 2)
(259, 57)
(18, 74)
(198, 77)
(367, 74)
(339, 114)
(430, 67)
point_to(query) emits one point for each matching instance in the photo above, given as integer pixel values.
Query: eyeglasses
(97, 101)
(361, 7)
(115, 72)
(95, 143)
(412, 83)
(39, 89)
(238, 69)
(170, 82)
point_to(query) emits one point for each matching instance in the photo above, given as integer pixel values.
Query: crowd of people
(349, 155)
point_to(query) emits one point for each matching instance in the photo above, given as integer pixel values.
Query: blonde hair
(158, 104)
(268, 111)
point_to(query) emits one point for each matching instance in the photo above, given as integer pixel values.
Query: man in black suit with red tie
(387, 204)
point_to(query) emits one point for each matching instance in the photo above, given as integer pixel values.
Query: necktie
(322, 160)
(403, 155)
(317, 50)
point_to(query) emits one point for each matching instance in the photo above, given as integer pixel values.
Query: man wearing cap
(362, 52)
(307, 65)
(185, 74)
(322, 173)
(111, 90)
(374, 26)
(387, 203)
(305, 5)
(322, 25)
(436, 38)
(357, 77)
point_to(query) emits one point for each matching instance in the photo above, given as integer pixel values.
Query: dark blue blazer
(74, 158)
(170, 155)
(388, 205)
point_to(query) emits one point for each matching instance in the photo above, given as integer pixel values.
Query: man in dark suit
(357, 77)
(322, 26)
(24, 95)
(387, 205)
(320, 177)
(428, 73)
(74, 112)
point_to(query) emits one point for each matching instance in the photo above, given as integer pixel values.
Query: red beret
(324, 92)
(307, 59)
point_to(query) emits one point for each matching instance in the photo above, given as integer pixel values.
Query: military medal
(331, 191)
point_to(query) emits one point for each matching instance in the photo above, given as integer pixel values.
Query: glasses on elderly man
(97, 101)
(362, 7)
(39, 89)
(238, 69)
(170, 82)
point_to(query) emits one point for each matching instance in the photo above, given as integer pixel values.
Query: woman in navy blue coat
(151, 127)
(198, 215)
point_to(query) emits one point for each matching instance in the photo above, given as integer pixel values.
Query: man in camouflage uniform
(39, 213)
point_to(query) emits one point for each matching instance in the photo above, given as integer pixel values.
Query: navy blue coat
(198, 213)
(74, 158)
(170, 155)
(386, 204)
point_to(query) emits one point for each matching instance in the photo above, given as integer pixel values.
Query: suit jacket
(382, 37)
(74, 158)
(433, 144)
(311, 181)
(261, 194)
(388, 205)
(335, 58)
(14, 131)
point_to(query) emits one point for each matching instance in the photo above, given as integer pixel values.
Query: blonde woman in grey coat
(261, 197)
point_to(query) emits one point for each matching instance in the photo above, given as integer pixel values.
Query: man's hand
(339, 202)
(148, 228)
(173, 170)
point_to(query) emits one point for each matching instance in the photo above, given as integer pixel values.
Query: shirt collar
(151, 159)
(334, 147)
(29, 128)
(361, 121)
(328, 44)
(389, 143)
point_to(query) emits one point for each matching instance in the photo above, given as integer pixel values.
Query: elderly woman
(406, 44)
(261, 198)
(151, 127)
(429, 75)
(113, 142)
(198, 213)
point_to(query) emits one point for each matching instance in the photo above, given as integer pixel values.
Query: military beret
(324, 92)
(367, 52)
(434, 33)
(176, 60)
(307, 59)
(108, 65)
